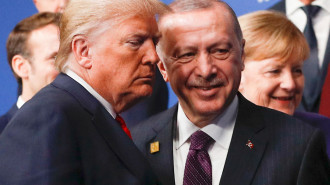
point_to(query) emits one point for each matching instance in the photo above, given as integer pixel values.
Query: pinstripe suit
(286, 151)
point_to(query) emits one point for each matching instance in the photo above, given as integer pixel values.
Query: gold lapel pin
(154, 147)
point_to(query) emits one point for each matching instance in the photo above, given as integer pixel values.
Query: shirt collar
(82, 82)
(220, 129)
(294, 5)
(20, 102)
(324, 4)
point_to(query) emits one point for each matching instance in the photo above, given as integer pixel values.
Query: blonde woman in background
(274, 53)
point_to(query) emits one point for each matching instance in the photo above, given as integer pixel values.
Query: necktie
(122, 123)
(198, 169)
(311, 65)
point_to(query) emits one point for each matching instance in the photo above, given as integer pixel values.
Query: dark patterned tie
(311, 65)
(198, 170)
(122, 123)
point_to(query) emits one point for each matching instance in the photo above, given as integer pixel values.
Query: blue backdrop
(12, 11)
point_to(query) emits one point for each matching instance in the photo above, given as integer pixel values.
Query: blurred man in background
(31, 50)
(50, 5)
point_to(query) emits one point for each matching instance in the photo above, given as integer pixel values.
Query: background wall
(11, 12)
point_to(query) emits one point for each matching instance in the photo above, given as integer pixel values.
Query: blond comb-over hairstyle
(92, 17)
(270, 34)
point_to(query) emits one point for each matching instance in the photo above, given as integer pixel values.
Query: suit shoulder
(54, 99)
(280, 6)
(275, 121)
(52, 106)
(280, 120)
(4, 119)
(157, 120)
(3, 122)
(153, 124)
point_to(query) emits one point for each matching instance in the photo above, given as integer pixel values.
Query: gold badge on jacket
(154, 147)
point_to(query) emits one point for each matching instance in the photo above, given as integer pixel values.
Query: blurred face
(124, 59)
(273, 83)
(307, 2)
(203, 61)
(51, 5)
(43, 44)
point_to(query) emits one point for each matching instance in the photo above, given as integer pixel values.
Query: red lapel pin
(250, 144)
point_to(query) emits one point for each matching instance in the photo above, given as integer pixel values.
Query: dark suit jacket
(280, 6)
(64, 136)
(4, 119)
(286, 151)
(318, 121)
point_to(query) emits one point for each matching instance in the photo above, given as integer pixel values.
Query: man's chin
(141, 93)
(145, 90)
(136, 98)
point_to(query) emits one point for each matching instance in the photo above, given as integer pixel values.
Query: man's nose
(205, 67)
(151, 54)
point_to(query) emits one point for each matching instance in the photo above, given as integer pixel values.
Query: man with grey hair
(71, 131)
(214, 135)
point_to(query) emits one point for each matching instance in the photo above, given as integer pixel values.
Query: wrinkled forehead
(196, 19)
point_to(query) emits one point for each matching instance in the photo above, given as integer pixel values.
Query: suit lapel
(162, 161)
(108, 128)
(242, 161)
(121, 144)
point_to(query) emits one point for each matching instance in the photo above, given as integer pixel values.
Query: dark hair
(18, 38)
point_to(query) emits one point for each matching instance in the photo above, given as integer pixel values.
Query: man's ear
(21, 66)
(81, 50)
(162, 70)
(243, 54)
(241, 85)
(36, 4)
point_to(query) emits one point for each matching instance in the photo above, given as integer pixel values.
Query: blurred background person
(274, 54)
(312, 17)
(31, 50)
(50, 5)
(47, 6)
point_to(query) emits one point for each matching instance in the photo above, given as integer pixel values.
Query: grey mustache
(201, 82)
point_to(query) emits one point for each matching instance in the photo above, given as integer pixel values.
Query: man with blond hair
(71, 131)
(214, 135)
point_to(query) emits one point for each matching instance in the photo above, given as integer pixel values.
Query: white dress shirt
(321, 22)
(20, 102)
(82, 82)
(221, 130)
